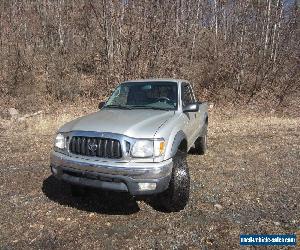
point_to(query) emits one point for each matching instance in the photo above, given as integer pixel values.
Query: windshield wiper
(117, 106)
(149, 107)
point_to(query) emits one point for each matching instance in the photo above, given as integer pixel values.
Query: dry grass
(49, 121)
(251, 170)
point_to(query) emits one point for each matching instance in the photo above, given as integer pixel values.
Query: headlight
(148, 148)
(142, 148)
(60, 141)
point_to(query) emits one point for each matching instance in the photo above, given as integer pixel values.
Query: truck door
(187, 97)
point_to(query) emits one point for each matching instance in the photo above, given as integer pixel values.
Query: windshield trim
(114, 106)
(150, 107)
(126, 83)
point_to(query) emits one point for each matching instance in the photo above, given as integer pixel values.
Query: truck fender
(203, 128)
(205, 118)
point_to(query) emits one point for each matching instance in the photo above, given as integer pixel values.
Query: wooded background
(233, 51)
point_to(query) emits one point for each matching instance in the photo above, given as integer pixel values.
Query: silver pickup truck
(137, 142)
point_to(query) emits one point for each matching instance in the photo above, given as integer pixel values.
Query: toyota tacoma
(137, 142)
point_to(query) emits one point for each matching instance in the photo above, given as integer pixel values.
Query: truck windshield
(144, 95)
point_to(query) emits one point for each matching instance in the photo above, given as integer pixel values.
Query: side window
(186, 94)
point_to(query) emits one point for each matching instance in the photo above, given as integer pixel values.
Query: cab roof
(156, 80)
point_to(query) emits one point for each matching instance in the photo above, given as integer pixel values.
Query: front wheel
(176, 197)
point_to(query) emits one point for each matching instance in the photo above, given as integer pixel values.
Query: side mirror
(101, 104)
(193, 107)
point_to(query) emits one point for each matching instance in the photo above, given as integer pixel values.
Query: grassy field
(248, 182)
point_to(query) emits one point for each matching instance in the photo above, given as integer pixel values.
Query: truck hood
(137, 123)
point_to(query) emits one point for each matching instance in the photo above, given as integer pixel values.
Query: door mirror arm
(101, 105)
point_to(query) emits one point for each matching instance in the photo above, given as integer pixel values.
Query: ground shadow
(93, 200)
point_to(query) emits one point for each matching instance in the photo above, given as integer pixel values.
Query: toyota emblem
(92, 146)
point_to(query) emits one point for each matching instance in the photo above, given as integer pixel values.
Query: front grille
(96, 146)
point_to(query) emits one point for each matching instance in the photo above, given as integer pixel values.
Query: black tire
(201, 142)
(77, 190)
(176, 197)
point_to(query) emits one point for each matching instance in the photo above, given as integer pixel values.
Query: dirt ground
(247, 183)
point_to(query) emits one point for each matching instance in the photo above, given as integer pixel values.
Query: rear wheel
(176, 197)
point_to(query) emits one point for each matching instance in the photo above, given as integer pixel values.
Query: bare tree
(62, 49)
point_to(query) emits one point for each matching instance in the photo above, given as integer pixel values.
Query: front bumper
(119, 176)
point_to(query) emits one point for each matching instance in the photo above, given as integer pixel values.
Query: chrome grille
(96, 146)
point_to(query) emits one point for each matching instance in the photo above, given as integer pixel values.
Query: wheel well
(183, 145)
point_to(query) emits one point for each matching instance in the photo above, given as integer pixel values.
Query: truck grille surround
(96, 146)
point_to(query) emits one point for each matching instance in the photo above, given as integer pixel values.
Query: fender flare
(205, 125)
(206, 117)
(179, 137)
